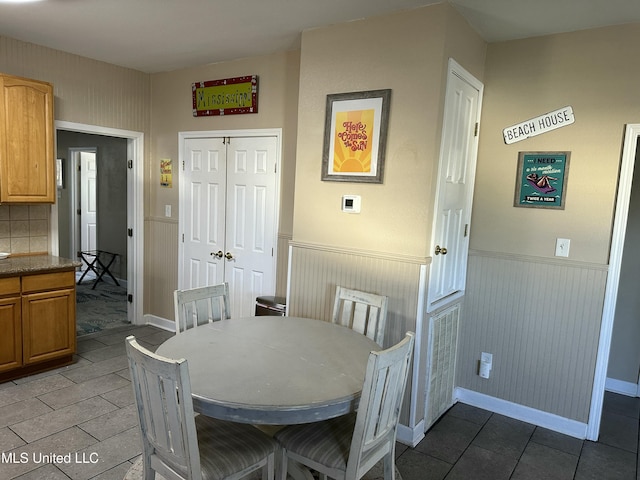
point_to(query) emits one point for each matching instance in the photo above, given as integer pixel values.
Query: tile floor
(85, 414)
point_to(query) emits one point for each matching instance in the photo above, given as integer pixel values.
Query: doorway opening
(623, 200)
(118, 187)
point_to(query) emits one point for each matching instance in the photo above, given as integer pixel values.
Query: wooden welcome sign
(228, 96)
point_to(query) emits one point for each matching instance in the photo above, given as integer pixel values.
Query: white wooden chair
(347, 447)
(200, 305)
(180, 446)
(363, 312)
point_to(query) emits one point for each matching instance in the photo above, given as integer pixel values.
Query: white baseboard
(623, 388)
(547, 420)
(410, 436)
(159, 322)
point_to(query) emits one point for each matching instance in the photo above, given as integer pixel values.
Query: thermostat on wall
(351, 203)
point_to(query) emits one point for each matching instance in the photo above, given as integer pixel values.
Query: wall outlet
(486, 358)
(485, 365)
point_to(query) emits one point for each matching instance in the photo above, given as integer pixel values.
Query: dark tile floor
(468, 443)
(85, 414)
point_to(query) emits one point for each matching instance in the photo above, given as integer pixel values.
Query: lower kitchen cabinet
(10, 326)
(37, 323)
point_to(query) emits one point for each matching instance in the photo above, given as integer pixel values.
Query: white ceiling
(163, 35)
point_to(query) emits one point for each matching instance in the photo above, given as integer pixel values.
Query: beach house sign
(535, 126)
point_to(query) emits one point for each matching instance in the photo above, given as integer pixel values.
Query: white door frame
(135, 210)
(632, 133)
(267, 132)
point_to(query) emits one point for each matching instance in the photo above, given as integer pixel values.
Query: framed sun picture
(541, 180)
(355, 136)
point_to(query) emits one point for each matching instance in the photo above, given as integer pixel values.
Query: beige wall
(407, 53)
(594, 72)
(172, 113)
(86, 91)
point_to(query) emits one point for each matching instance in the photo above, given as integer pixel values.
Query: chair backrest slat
(363, 312)
(197, 306)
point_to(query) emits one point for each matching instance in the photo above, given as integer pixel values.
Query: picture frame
(355, 136)
(541, 180)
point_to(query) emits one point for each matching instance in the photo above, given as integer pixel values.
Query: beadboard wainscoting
(540, 318)
(314, 272)
(282, 264)
(161, 270)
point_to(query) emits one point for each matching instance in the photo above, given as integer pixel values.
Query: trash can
(271, 306)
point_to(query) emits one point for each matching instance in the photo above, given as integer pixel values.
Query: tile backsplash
(24, 228)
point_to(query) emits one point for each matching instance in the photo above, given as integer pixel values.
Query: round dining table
(273, 370)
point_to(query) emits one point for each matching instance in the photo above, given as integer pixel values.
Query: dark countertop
(25, 265)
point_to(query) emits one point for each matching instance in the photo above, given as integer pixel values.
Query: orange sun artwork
(353, 141)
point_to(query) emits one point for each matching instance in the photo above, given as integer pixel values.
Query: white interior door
(456, 175)
(203, 189)
(228, 215)
(250, 226)
(88, 202)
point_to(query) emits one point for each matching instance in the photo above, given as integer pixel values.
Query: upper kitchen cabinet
(26, 141)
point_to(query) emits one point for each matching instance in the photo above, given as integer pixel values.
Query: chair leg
(283, 465)
(389, 466)
(268, 471)
(149, 473)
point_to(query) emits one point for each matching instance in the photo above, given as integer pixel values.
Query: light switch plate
(562, 247)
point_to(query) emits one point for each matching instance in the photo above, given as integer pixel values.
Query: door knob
(228, 255)
(440, 250)
(218, 254)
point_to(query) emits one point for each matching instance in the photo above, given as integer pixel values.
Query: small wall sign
(535, 126)
(542, 179)
(166, 173)
(228, 96)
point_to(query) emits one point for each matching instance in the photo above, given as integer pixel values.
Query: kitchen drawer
(9, 286)
(48, 281)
